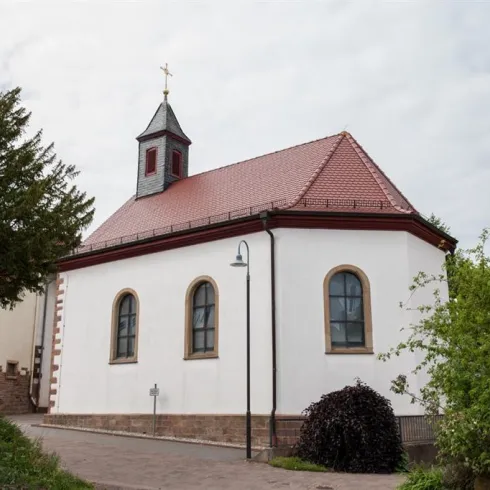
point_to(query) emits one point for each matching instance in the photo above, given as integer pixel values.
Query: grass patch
(23, 464)
(421, 478)
(296, 464)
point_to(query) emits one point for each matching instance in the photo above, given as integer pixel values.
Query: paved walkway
(131, 463)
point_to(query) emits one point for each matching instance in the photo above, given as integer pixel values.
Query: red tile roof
(332, 173)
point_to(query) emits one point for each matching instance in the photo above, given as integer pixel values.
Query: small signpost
(154, 392)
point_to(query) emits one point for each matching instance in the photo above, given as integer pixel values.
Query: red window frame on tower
(176, 164)
(151, 161)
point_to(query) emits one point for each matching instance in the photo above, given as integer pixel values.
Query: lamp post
(240, 263)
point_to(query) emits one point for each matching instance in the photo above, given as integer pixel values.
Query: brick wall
(14, 393)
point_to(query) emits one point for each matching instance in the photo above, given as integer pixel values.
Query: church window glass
(124, 341)
(202, 319)
(348, 324)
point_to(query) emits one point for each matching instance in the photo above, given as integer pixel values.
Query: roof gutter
(151, 241)
(349, 214)
(272, 420)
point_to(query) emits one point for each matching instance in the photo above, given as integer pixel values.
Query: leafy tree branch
(42, 212)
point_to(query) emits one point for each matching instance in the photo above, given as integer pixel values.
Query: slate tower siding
(151, 184)
(165, 134)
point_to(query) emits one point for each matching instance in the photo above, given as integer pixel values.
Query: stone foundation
(288, 431)
(219, 428)
(14, 393)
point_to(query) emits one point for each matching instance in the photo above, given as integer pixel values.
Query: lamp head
(239, 262)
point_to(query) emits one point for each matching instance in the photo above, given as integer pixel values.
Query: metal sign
(154, 392)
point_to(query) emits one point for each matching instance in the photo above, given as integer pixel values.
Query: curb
(136, 435)
(113, 486)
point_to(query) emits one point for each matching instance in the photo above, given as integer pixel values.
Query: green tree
(438, 223)
(454, 336)
(42, 213)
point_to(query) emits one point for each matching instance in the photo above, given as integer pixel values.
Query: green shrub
(458, 476)
(353, 430)
(296, 464)
(23, 464)
(452, 338)
(423, 479)
(403, 465)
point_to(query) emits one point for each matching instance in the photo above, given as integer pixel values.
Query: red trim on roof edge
(411, 223)
(282, 219)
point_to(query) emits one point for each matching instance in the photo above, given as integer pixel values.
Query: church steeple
(163, 150)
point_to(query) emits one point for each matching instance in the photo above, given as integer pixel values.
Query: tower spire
(167, 74)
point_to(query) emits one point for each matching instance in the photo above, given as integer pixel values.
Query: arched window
(202, 319)
(124, 342)
(348, 327)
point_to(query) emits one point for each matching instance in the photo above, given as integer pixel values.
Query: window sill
(130, 360)
(10, 377)
(350, 350)
(206, 355)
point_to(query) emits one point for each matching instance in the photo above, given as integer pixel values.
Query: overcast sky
(409, 80)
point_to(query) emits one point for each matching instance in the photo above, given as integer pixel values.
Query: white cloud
(410, 79)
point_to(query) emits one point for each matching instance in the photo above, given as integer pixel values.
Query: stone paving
(130, 463)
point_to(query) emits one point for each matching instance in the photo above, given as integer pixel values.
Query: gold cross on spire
(167, 74)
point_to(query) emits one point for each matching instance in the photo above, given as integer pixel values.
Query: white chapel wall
(304, 257)
(89, 384)
(428, 259)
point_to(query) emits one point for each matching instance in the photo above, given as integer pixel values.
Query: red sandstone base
(219, 428)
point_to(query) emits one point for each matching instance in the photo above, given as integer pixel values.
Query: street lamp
(240, 263)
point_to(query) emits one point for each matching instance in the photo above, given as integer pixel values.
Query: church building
(150, 297)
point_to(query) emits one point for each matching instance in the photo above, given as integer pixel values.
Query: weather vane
(167, 74)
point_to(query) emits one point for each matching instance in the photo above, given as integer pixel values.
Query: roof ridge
(264, 155)
(317, 172)
(369, 163)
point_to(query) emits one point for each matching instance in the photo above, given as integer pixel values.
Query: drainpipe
(272, 420)
(33, 354)
(43, 331)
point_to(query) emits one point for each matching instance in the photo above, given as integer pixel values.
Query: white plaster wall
(16, 332)
(48, 335)
(423, 257)
(88, 384)
(304, 257)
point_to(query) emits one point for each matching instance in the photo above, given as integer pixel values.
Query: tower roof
(164, 120)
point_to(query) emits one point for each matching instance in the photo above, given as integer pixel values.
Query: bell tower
(163, 155)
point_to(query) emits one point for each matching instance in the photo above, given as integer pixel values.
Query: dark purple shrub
(353, 430)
